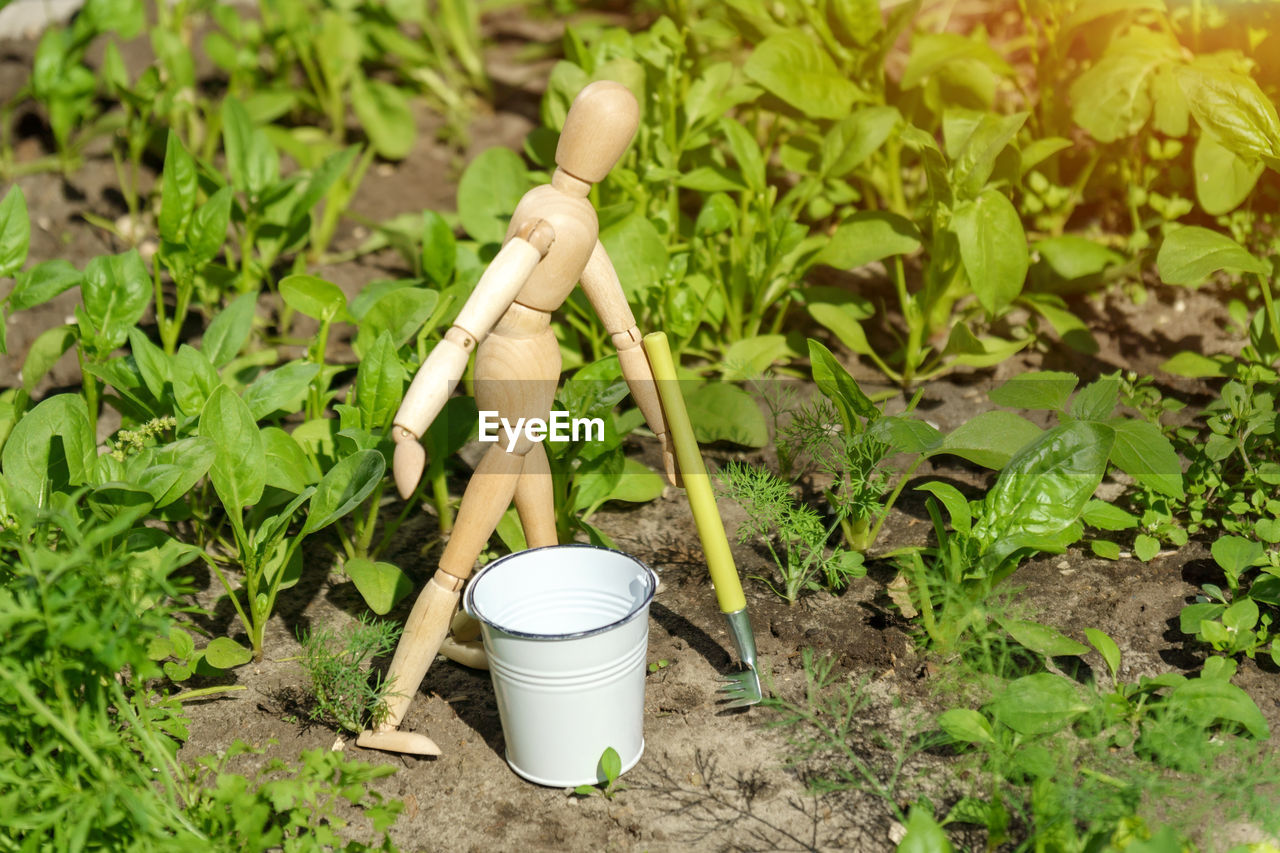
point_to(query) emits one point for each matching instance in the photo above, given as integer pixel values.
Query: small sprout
(611, 769)
(659, 664)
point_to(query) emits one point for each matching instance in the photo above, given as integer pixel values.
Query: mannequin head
(599, 127)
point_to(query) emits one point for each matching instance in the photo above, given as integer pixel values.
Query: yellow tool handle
(702, 499)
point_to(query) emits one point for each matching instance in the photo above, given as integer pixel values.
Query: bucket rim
(468, 597)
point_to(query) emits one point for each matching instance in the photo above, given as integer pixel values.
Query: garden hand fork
(742, 687)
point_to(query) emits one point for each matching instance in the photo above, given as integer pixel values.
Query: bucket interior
(560, 592)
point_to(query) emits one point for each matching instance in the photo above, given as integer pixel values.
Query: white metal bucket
(566, 630)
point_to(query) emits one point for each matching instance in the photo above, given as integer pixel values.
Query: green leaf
(842, 321)
(116, 291)
(194, 379)
(287, 467)
(314, 297)
(610, 764)
(281, 389)
(1097, 401)
(44, 354)
(990, 439)
(53, 442)
(1112, 99)
(794, 68)
(638, 483)
(379, 383)
(439, 249)
(836, 383)
(1142, 451)
(1041, 389)
(923, 834)
(976, 159)
(1071, 257)
(932, 52)
(1145, 547)
(1223, 179)
(1037, 151)
(1190, 254)
(1233, 108)
(208, 228)
(488, 192)
(1046, 484)
(237, 140)
(153, 364)
(993, 248)
(905, 434)
(746, 151)
(400, 313)
(1195, 366)
(868, 236)
(854, 138)
(966, 725)
(723, 412)
(1105, 516)
(229, 330)
(1235, 554)
(226, 653)
(381, 584)
(175, 468)
(955, 502)
(385, 115)
(15, 232)
(1106, 647)
(752, 357)
(238, 472)
(1042, 639)
(343, 488)
(1038, 704)
(1208, 700)
(43, 282)
(178, 192)
(638, 253)
(965, 349)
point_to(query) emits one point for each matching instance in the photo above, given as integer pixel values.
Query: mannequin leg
(492, 487)
(534, 500)
(534, 503)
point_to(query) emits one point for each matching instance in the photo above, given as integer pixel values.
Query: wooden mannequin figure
(551, 245)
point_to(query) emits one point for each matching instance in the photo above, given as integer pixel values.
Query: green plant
(793, 533)
(843, 435)
(833, 737)
(1035, 505)
(1233, 621)
(610, 768)
(288, 807)
(1066, 767)
(82, 731)
(346, 694)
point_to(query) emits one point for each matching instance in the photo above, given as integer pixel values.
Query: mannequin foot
(470, 653)
(394, 740)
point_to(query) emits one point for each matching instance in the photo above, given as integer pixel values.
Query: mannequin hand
(409, 461)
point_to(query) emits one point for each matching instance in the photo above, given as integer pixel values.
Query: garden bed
(711, 778)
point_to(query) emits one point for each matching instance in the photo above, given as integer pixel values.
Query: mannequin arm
(440, 373)
(604, 290)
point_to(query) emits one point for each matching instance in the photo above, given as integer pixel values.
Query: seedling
(611, 769)
(346, 693)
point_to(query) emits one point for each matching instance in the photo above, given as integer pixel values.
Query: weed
(346, 693)
(793, 533)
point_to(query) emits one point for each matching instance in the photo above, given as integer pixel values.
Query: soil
(711, 778)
